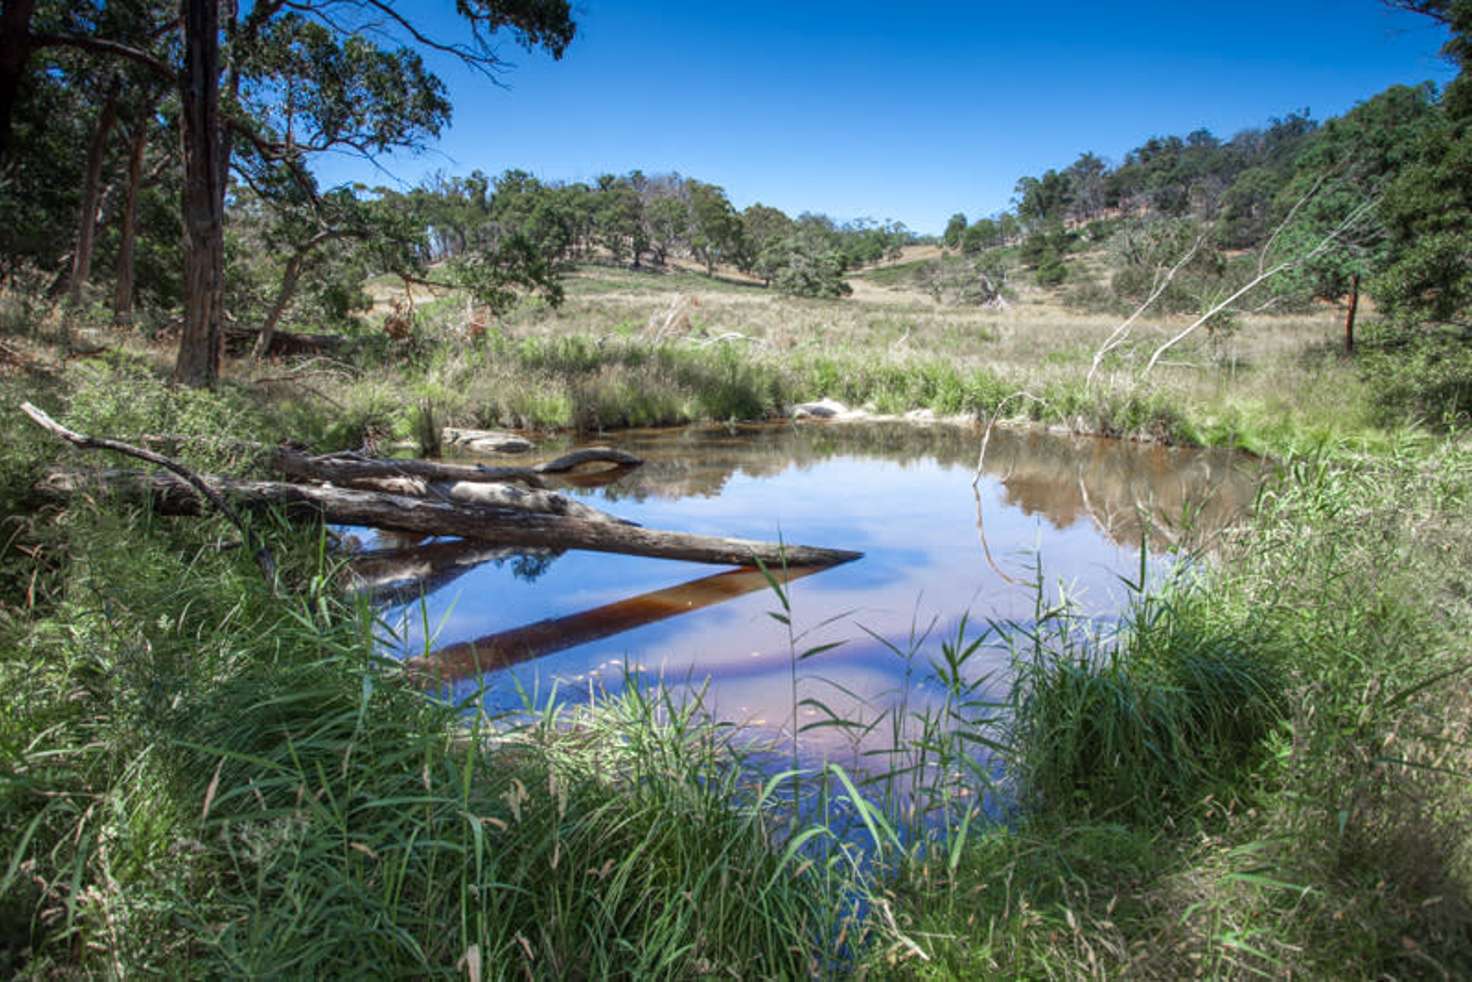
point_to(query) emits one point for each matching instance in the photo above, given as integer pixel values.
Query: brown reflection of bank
(506, 648)
(1124, 488)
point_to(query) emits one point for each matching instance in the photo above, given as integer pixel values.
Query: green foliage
(273, 800)
(1428, 214)
(804, 266)
(983, 234)
(1044, 250)
(717, 234)
(1266, 774)
(1423, 378)
(955, 229)
(764, 229)
(1135, 727)
(669, 225)
(1347, 162)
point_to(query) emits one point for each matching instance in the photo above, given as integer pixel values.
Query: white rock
(484, 441)
(822, 409)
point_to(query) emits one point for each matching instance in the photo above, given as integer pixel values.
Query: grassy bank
(642, 348)
(1267, 774)
(202, 777)
(649, 348)
(1264, 771)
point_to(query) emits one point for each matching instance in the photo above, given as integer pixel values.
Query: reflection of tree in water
(529, 566)
(1123, 488)
(1120, 486)
(400, 575)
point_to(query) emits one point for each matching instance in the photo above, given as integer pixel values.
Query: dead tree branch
(203, 488)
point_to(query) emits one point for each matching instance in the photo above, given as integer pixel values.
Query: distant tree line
(1379, 198)
(155, 156)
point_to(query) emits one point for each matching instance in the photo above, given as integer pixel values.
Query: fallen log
(509, 496)
(195, 486)
(492, 524)
(588, 455)
(520, 644)
(346, 468)
(475, 492)
(240, 340)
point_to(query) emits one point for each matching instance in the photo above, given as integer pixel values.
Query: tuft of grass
(1265, 772)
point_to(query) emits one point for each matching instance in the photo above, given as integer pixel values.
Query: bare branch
(106, 47)
(263, 555)
(1356, 215)
(1121, 333)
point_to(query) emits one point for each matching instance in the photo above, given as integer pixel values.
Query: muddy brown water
(508, 628)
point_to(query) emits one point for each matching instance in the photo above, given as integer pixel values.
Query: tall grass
(1264, 771)
(247, 790)
(202, 778)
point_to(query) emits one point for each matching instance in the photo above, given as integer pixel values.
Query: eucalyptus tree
(955, 230)
(1350, 163)
(667, 222)
(763, 226)
(620, 218)
(716, 233)
(263, 86)
(1427, 208)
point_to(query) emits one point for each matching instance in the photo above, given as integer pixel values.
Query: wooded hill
(117, 121)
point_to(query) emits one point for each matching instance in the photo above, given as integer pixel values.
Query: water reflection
(934, 549)
(506, 648)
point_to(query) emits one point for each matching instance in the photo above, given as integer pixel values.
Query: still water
(934, 549)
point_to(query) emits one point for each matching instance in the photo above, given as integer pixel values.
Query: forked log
(491, 524)
(348, 468)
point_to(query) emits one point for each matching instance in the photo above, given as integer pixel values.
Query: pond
(935, 549)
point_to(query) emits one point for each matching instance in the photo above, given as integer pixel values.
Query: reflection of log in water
(506, 648)
(395, 576)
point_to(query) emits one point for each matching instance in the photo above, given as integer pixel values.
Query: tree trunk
(201, 340)
(493, 525)
(15, 52)
(346, 469)
(1354, 305)
(289, 281)
(122, 303)
(92, 194)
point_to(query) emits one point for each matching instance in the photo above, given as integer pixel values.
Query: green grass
(1264, 771)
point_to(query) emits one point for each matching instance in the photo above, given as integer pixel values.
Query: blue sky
(905, 111)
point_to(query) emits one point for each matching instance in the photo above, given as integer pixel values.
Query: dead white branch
(1356, 215)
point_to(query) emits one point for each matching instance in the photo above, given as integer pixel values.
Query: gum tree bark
(107, 117)
(15, 51)
(201, 340)
(123, 289)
